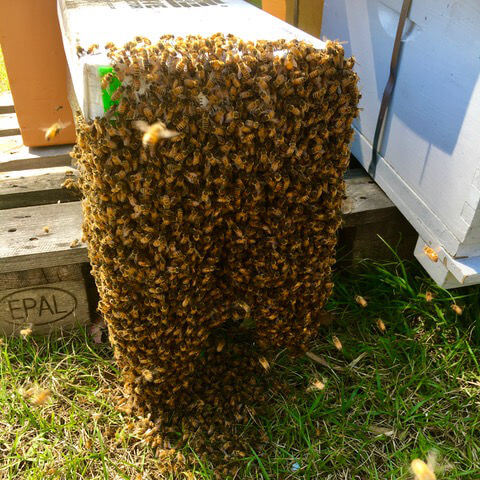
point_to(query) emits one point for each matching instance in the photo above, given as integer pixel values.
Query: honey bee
(25, 332)
(204, 123)
(244, 70)
(293, 109)
(220, 345)
(457, 309)
(92, 48)
(422, 470)
(429, 296)
(41, 397)
(153, 133)
(190, 83)
(430, 253)
(80, 50)
(46, 229)
(53, 130)
(264, 363)
(116, 95)
(381, 325)
(75, 243)
(361, 301)
(298, 80)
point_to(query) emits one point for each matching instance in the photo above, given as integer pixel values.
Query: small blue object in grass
(108, 92)
(295, 467)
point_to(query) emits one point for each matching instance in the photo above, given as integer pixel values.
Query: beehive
(428, 161)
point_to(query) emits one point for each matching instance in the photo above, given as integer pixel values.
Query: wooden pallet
(45, 282)
(42, 280)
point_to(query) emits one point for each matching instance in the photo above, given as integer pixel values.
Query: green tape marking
(108, 92)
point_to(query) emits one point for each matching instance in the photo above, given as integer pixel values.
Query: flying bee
(92, 48)
(422, 470)
(153, 133)
(53, 130)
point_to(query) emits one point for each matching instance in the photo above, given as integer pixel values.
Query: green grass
(388, 397)
(4, 86)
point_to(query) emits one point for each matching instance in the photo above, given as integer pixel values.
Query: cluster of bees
(212, 193)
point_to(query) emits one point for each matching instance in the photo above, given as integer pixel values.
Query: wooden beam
(6, 103)
(43, 299)
(25, 245)
(8, 125)
(365, 202)
(41, 186)
(23, 158)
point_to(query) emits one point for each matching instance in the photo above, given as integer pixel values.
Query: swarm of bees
(212, 194)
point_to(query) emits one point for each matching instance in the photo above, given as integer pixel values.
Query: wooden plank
(9, 125)
(365, 202)
(6, 103)
(15, 156)
(24, 244)
(35, 187)
(43, 299)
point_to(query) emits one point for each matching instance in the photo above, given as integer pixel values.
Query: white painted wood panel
(429, 162)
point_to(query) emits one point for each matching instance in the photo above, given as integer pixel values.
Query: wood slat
(24, 245)
(16, 156)
(35, 187)
(6, 103)
(9, 125)
(365, 201)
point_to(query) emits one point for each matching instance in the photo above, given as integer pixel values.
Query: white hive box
(429, 156)
(86, 22)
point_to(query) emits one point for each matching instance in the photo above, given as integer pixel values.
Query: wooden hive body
(428, 162)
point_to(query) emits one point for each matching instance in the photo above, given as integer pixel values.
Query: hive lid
(86, 22)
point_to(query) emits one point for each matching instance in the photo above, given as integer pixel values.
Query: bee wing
(166, 133)
(141, 125)
(63, 124)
